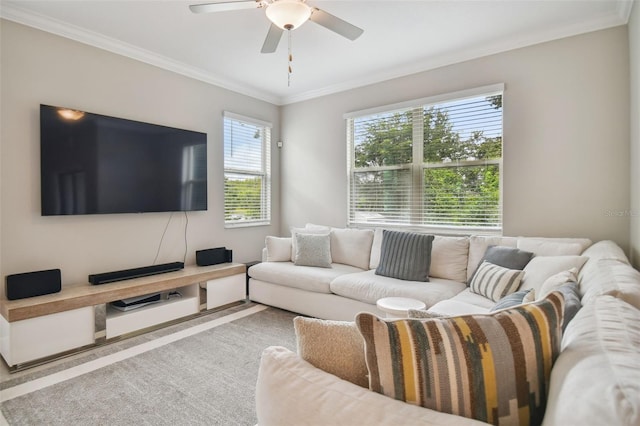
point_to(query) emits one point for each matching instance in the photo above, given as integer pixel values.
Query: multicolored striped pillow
(494, 368)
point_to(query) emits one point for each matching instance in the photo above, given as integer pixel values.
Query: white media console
(41, 328)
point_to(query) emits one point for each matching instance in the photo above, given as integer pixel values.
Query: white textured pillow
(278, 249)
(540, 268)
(351, 247)
(495, 282)
(333, 346)
(313, 229)
(556, 281)
(313, 250)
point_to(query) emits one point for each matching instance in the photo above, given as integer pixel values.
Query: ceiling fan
(284, 15)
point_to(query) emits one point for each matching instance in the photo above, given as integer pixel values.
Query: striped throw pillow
(494, 368)
(495, 282)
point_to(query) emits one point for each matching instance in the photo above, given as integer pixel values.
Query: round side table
(397, 307)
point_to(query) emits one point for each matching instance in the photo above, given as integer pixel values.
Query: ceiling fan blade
(273, 39)
(335, 24)
(224, 6)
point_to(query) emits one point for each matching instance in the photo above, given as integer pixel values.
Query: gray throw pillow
(572, 303)
(405, 255)
(507, 257)
(510, 300)
(313, 250)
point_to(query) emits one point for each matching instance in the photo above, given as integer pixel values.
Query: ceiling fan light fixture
(288, 14)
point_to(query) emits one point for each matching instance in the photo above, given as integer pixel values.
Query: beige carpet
(202, 372)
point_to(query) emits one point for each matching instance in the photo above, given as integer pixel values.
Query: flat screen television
(95, 164)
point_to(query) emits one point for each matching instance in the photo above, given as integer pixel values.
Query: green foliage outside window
(460, 166)
(243, 199)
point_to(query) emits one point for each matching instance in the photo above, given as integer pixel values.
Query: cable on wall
(186, 225)
(186, 243)
(162, 238)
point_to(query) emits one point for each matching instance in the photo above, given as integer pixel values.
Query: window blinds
(428, 164)
(247, 187)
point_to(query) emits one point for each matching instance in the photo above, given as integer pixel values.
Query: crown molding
(44, 23)
(91, 38)
(619, 17)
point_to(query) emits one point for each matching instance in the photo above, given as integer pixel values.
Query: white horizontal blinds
(381, 188)
(433, 164)
(462, 157)
(246, 171)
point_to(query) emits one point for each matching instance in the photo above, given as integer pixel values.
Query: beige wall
(38, 67)
(566, 137)
(566, 146)
(634, 61)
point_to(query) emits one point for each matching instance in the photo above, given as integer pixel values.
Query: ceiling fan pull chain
(290, 59)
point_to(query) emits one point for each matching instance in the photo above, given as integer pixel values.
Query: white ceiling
(400, 37)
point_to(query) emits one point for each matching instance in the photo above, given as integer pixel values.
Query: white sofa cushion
(553, 246)
(449, 258)
(606, 249)
(611, 277)
(467, 296)
(596, 378)
(376, 248)
(540, 268)
(278, 249)
(323, 229)
(351, 247)
(308, 278)
(464, 303)
(307, 396)
(368, 287)
(453, 308)
(556, 281)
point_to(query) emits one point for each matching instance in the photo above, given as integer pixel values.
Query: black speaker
(30, 284)
(213, 256)
(127, 274)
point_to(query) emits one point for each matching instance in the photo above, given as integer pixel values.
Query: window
(432, 163)
(247, 171)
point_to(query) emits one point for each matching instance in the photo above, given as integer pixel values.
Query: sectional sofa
(595, 379)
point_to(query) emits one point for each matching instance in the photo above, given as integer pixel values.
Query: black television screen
(94, 164)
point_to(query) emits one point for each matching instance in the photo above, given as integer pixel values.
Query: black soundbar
(127, 274)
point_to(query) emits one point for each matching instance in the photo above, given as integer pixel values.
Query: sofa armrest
(596, 378)
(290, 391)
